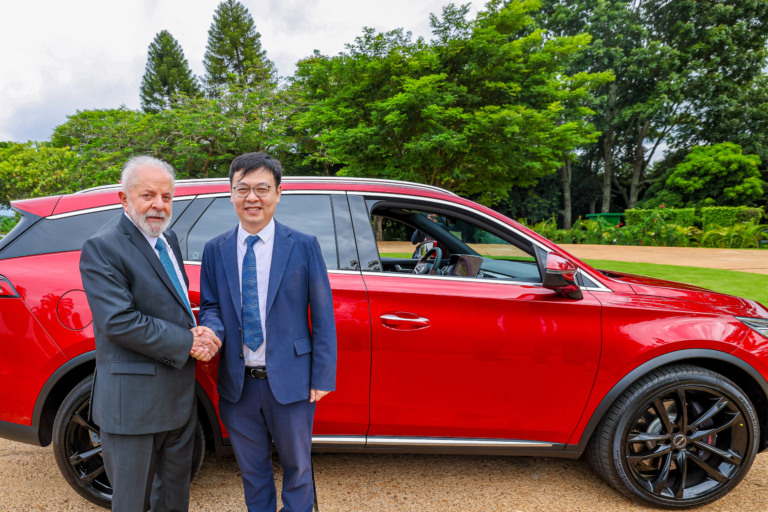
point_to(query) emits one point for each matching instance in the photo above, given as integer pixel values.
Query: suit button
(241, 355)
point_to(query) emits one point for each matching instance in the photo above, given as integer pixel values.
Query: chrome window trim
(485, 216)
(451, 204)
(297, 179)
(101, 209)
(286, 192)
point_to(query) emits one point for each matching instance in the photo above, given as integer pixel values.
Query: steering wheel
(424, 267)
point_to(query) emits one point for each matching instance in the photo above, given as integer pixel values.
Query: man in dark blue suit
(265, 292)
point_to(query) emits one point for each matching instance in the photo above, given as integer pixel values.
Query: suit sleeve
(107, 284)
(323, 375)
(210, 311)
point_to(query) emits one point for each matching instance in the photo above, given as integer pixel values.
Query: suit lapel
(283, 244)
(228, 258)
(137, 239)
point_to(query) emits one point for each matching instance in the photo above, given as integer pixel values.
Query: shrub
(727, 216)
(679, 216)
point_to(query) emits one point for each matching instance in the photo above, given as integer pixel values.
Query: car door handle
(404, 321)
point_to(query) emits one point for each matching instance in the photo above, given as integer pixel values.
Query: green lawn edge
(733, 282)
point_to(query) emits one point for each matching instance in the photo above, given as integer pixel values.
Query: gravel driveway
(30, 479)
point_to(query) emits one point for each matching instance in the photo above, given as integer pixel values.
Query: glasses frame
(268, 187)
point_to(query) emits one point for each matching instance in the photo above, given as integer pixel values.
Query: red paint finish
(495, 360)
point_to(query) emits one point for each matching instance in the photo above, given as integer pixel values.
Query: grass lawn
(743, 284)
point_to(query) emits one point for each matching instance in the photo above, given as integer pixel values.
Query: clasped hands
(205, 343)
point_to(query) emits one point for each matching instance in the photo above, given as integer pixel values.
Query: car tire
(77, 447)
(680, 437)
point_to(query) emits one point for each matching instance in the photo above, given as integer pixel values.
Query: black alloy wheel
(681, 437)
(77, 447)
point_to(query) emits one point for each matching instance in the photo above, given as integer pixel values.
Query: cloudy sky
(63, 56)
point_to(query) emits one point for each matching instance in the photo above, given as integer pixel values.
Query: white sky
(63, 56)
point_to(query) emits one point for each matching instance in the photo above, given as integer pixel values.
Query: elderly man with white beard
(147, 344)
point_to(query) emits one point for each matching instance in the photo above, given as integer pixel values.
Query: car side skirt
(19, 433)
(439, 445)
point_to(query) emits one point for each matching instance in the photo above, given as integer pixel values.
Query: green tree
(672, 59)
(484, 107)
(234, 55)
(718, 175)
(35, 169)
(167, 75)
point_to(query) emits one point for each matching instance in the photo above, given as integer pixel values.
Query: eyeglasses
(259, 190)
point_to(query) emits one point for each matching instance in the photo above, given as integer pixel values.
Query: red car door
(473, 358)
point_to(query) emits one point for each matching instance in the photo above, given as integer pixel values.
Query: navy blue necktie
(253, 336)
(165, 259)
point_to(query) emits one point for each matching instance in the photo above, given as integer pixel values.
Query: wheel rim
(83, 449)
(687, 443)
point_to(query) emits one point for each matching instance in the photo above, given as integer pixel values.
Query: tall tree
(167, 75)
(233, 56)
(671, 58)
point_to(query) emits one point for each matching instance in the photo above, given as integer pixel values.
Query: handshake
(205, 344)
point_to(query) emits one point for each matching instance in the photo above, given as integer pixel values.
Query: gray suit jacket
(145, 378)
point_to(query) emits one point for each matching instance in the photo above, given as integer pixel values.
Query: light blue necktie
(253, 336)
(165, 259)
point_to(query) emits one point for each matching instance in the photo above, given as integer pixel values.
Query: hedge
(727, 216)
(679, 216)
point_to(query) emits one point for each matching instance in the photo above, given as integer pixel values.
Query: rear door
(325, 215)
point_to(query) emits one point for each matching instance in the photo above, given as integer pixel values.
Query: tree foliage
(167, 75)
(716, 175)
(35, 169)
(673, 61)
(233, 56)
(484, 107)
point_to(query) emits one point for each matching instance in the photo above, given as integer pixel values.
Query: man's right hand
(205, 343)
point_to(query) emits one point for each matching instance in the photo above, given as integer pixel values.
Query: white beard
(141, 220)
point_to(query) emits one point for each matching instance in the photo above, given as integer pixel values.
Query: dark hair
(251, 162)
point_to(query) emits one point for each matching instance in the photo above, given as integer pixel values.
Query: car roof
(106, 195)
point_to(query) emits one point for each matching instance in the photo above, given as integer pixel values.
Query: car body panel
(492, 366)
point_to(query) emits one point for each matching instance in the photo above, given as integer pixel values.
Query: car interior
(444, 243)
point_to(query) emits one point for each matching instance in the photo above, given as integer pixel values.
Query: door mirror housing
(560, 276)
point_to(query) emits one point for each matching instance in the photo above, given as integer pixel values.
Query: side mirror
(560, 276)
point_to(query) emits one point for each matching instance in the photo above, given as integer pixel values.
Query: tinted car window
(67, 233)
(59, 235)
(311, 214)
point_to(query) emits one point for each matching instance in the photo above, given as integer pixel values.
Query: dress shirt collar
(265, 235)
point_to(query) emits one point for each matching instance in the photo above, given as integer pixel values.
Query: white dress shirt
(263, 251)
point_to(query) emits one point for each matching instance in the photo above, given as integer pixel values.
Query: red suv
(459, 331)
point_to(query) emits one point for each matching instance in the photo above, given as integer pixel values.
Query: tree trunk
(566, 172)
(607, 170)
(378, 227)
(608, 149)
(638, 170)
